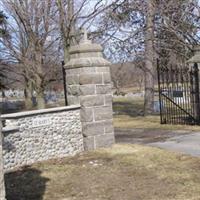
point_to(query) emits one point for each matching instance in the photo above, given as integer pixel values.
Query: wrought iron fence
(178, 88)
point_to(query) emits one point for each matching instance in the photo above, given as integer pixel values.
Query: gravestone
(2, 186)
(196, 57)
(89, 84)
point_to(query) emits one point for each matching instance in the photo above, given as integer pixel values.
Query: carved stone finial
(85, 36)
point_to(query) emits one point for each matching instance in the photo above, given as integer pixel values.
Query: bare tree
(67, 25)
(32, 46)
(147, 28)
(128, 74)
(177, 28)
(76, 15)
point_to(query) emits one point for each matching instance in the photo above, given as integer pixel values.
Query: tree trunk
(39, 77)
(117, 87)
(149, 59)
(28, 94)
(28, 101)
(2, 186)
(40, 100)
(39, 93)
(39, 88)
(70, 18)
(71, 40)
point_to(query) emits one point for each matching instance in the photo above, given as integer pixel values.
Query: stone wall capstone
(40, 135)
(89, 84)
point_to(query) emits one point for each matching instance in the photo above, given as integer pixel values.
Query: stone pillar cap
(86, 54)
(196, 57)
(85, 46)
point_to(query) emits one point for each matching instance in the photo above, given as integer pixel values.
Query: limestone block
(90, 79)
(90, 101)
(87, 62)
(103, 89)
(103, 69)
(108, 100)
(87, 70)
(106, 78)
(73, 71)
(104, 140)
(103, 113)
(86, 114)
(88, 143)
(73, 100)
(72, 80)
(92, 129)
(73, 90)
(87, 89)
(108, 124)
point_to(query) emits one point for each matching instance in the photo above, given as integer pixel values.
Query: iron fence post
(159, 92)
(197, 99)
(64, 82)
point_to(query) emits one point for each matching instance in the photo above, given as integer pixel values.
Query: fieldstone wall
(89, 84)
(41, 135)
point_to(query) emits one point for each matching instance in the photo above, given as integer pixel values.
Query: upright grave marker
(196, 57)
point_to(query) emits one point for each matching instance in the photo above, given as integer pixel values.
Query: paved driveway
(188, 144)
(179, 141)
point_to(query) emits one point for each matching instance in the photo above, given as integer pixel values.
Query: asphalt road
(179, 141)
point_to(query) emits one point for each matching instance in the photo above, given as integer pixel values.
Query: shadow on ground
(145, 136)
(132, 109)
(25, 184)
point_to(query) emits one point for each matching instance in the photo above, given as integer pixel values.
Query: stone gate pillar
(89, 84)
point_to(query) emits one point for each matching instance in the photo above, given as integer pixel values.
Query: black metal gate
(178, 88)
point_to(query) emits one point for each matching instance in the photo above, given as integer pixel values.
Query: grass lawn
(123, 172)
(129, 114)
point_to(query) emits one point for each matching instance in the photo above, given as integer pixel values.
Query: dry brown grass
(149, 122)
(123, 172)
(129, 115)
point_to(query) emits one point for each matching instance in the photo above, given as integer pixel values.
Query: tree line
(38, 35)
